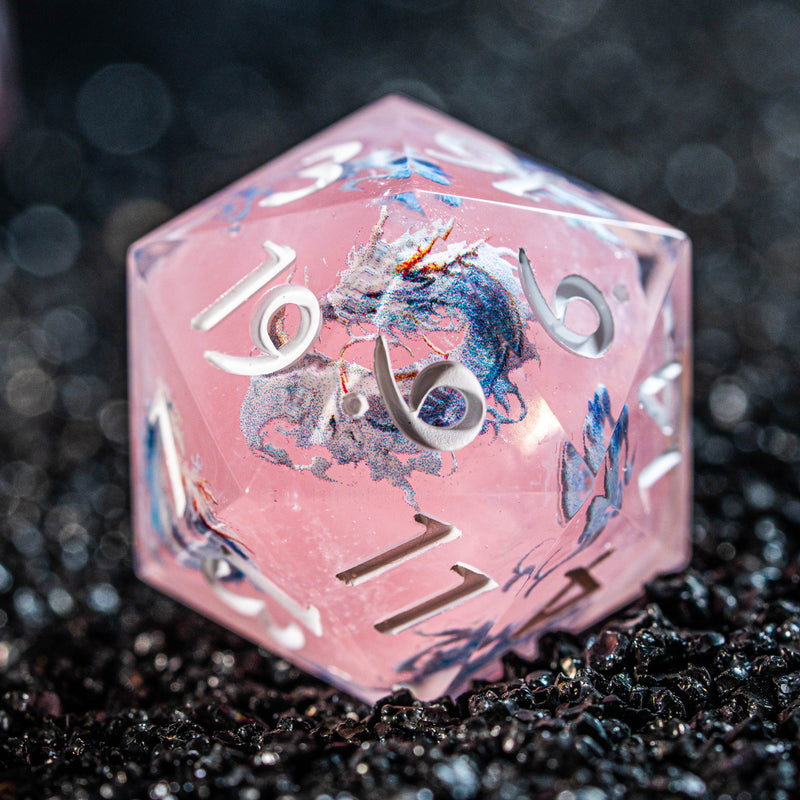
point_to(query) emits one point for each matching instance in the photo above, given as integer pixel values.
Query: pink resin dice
(402, 399)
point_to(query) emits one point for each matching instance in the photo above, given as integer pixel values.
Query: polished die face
(403, 399)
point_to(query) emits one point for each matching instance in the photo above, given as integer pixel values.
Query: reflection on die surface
(402, 399)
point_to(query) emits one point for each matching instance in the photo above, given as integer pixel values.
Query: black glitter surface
(130, 112)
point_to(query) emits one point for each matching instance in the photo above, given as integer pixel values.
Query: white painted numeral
(324, 167)
(470, 152)
(435, 533)
(660, 411)
(279, 257)
(658, 468)
(159, 414)
(473, 583)
(291, 636)
(215, 569)
(274, 356)
(486, 157)
(447, 373)
(520, 185)
(571, 287)
(654, 471)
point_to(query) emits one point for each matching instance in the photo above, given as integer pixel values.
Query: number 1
(274, 357)
(159, 414)
(473, 583)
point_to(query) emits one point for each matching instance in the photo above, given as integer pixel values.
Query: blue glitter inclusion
(577, 473)
(392, 166)
(577, 482)
(452, 647)
(240, 205)
(606, 506)
(470, 291)
(379, 165)
(409, 200)
(190, 539)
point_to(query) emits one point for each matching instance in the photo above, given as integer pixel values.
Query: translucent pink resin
(279, 491)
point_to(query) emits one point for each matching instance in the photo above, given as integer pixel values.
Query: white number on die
(663, 412)
(520, 185)
(159, 415)
(436, 532)
(324, 167)
(273, 356)
(447, 373)
(473, 581)
(215, 569)
(661, 382)
(473, 153)
(570, 288)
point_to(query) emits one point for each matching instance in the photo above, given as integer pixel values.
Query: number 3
(326, 167)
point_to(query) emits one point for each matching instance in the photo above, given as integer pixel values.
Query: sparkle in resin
(409, 291)
(305, 470)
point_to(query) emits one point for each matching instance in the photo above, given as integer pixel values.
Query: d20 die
(402, 399)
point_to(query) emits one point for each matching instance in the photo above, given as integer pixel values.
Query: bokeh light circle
(124, 108)
(43, 240)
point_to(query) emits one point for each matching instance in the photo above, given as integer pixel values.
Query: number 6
(573, 286)
(447, 373)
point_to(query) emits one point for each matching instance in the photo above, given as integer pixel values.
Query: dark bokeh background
(128, 112)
